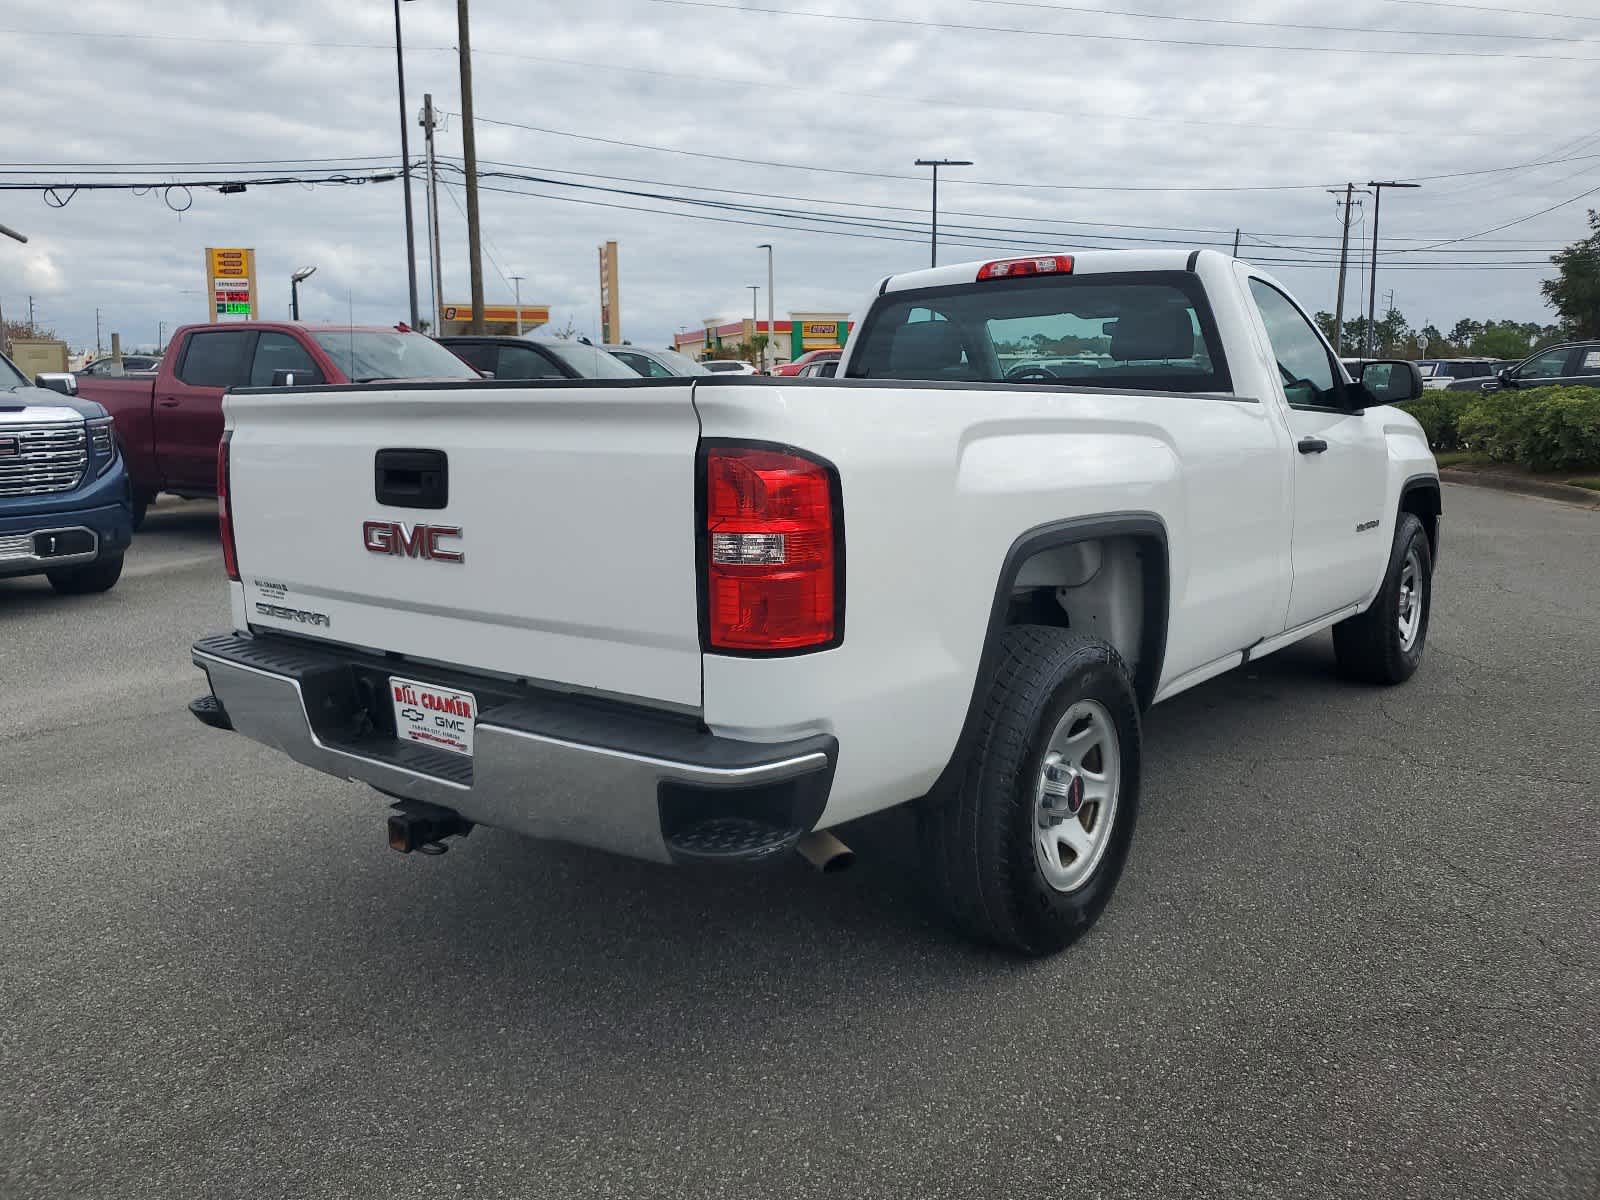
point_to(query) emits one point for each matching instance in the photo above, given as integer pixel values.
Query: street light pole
(516, 283)
(295, 280)
(13, 234)
(771, 349)
(936, 163)
(405, 168)
(1372, 297)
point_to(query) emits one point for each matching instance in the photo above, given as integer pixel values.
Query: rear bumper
(546, 764)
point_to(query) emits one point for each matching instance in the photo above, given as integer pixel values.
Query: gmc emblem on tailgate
(416, 541)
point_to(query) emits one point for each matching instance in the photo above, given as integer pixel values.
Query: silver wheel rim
(1075, 795)
(1410, 607)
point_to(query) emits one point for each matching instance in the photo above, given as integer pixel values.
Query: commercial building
(790, 339)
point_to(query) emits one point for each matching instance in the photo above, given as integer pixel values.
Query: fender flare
(1430, 484)
(1150, 530)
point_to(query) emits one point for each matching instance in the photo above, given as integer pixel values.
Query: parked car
(170, 425)
(530, 357)
(1439, 373)
(703, 624)
(806, 359)
(658, 364)
(729, 366)
(1571, 363)
(66, 506)
(132, 364)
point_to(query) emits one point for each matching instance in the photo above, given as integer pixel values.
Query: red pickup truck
(170, 425)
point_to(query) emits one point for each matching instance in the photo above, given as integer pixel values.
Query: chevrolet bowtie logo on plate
(9, 447)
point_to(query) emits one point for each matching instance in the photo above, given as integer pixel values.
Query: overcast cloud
(318, 82)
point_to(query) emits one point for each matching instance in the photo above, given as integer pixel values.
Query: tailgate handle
(412, 478)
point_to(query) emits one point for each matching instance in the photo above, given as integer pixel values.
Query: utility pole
(469, 154)
(161, 336)
(1236, 233)
(435, 273)
(516, 282)
(771, 354)
(405, 167)
(97, 333)
(936, 163)
(1372, 298)
(755, 321)
(1344, 263)
(30, 316)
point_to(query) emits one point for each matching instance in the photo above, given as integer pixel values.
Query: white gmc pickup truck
(708, 620)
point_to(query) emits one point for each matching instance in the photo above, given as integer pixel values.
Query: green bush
(1543, 429)
(1439, 414)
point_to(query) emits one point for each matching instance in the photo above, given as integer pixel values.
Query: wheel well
(1422, 501)
(1111, 587)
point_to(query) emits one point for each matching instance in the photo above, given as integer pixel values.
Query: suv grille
(42, 458)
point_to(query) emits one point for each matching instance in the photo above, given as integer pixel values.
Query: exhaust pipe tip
(825, 852)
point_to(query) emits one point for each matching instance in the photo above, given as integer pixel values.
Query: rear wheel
(1384, 644)
(1027, 846)
(98, 576)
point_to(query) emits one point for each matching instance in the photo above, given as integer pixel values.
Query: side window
(280, 352)
(648, 367)
(217, 359)
(479, 355)
(1588, 361)
(1549, 365)
(1309, 380)
(524, 362)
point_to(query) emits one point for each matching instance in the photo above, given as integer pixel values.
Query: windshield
(1147, 331)
(10, 377)
(660, 364)
(365, 355)
(590, 362)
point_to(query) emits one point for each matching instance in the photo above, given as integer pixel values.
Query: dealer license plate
(433, 716)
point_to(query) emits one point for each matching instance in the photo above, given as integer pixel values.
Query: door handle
(1311, 445)
(168, 402)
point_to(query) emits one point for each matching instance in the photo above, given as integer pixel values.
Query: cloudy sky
(1090, 125)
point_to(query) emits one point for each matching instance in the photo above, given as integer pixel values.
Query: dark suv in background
(1572, 363)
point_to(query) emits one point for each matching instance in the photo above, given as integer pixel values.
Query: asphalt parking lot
(1356, 952)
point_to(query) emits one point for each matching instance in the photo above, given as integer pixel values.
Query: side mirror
(1506, 377)
(1391, 381)
(57, 381)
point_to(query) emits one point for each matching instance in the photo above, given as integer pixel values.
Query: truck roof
(304, 326)
(1084, 262)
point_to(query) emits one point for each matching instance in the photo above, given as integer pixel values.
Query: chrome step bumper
(546, 764)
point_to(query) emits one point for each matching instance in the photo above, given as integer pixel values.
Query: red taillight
(230, 553)
(1011, 268)
(772, 554)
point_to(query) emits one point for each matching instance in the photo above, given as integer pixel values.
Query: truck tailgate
(573, 516)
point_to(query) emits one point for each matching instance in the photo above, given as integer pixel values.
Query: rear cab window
(1149, 331)
(217, 358)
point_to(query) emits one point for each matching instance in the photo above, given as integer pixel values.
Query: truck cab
(66, 506)
(171, 423)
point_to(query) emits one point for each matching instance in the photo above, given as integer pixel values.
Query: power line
(918, 23)
(1504, 12)
(1150, 16)
(1000, 183)
(1518, 221)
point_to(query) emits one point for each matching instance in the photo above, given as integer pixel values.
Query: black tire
(141, 505)
(98, 576)
(978, 836)
(1370, 647)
